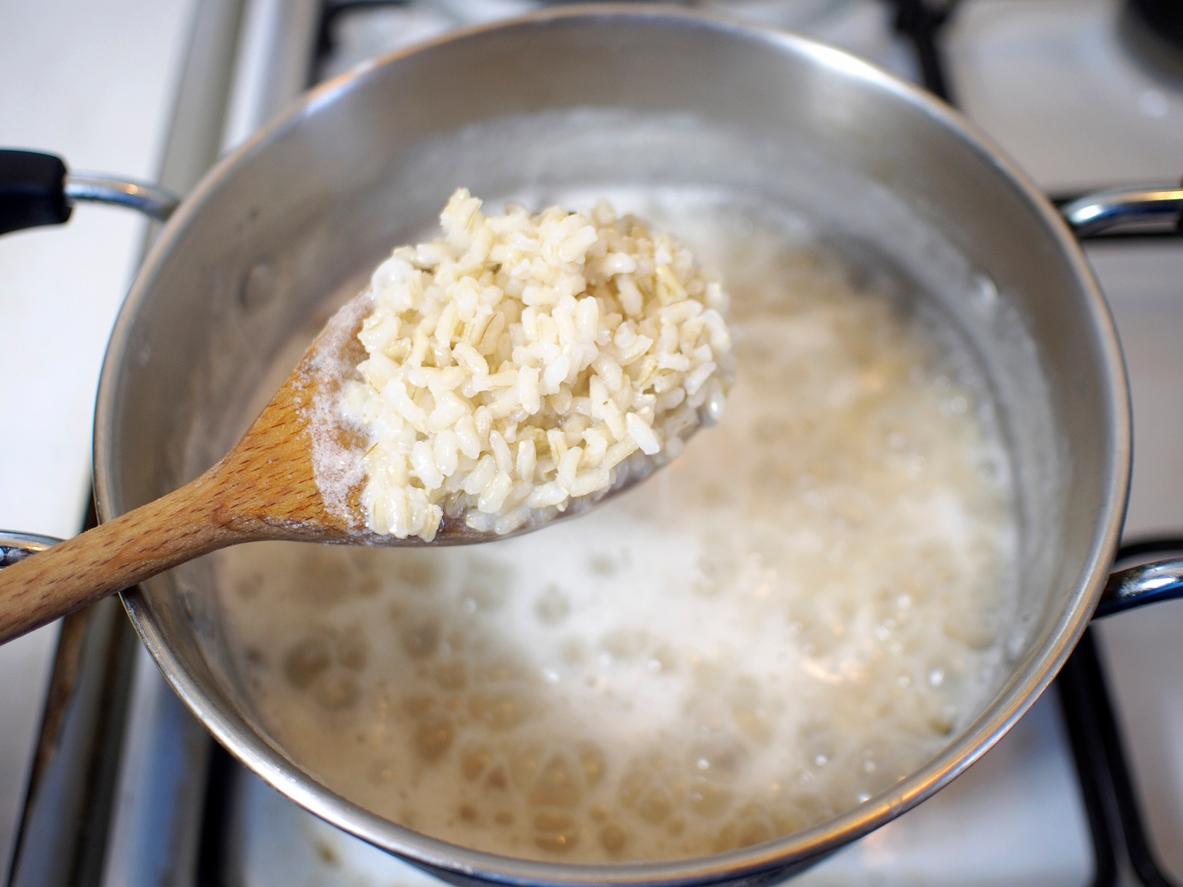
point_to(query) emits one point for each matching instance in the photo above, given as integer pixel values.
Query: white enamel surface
(1142, 648)
(1070, 90)
(93, 83)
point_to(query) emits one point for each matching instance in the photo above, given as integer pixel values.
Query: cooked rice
(523, 364)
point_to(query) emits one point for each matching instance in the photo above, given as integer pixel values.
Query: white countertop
(94, 83)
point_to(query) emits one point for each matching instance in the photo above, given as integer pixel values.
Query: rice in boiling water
(797, 612)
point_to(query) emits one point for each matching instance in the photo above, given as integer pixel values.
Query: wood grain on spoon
(265, 488)
(602, 357)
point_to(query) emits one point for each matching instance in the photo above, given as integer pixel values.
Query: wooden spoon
(264, 488)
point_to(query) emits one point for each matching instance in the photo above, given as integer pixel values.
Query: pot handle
(1147, 582)
(37, 189)
(1147, 209)
(16, 546)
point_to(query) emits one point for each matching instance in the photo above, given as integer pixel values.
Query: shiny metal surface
(1127, 209)
(63, 827)
(151, 200)
(16, 546)
(75, 757)
(365, 161)
(1141, 585)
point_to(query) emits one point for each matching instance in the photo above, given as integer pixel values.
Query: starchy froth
(798, 612)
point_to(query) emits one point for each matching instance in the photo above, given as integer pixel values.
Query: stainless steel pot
(602, 96)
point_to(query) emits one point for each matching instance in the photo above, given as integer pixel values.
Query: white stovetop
(93, 82)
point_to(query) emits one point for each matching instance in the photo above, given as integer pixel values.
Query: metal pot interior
(594, 101)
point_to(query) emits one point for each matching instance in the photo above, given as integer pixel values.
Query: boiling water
(791, 617)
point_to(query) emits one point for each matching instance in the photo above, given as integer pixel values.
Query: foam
(337, 464)
(796, 613)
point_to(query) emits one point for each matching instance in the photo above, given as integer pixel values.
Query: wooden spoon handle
(113, 556)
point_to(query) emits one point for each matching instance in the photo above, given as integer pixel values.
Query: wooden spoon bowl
(265, 488)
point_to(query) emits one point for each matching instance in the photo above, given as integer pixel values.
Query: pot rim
(252, 750)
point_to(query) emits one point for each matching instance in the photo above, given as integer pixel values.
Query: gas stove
(1088, 788)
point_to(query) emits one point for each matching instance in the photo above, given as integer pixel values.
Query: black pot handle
(1156, 578)
(36, 189)
(32, 190)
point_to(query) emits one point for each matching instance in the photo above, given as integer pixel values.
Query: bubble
(752, 825)
(655, 805)
(499, 710)
(555, 785)
(336, 692)
(943, 721)
(602, 565)
(250, 586)
(574, 651)
(383, 771)
(496, 778)
(625, 644)
(417, 570)
(552, 606)
(352, 649)
(433, 737)
(500, 671)
(723, 755)
(591, 760)
(709, 800)
(451, 675)
(973, 628)
(555, 832)
(418, 705)
(474, 760)
(306, 660)
(612, 838)
(643, 791)
(421, 638)
(486, 586)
